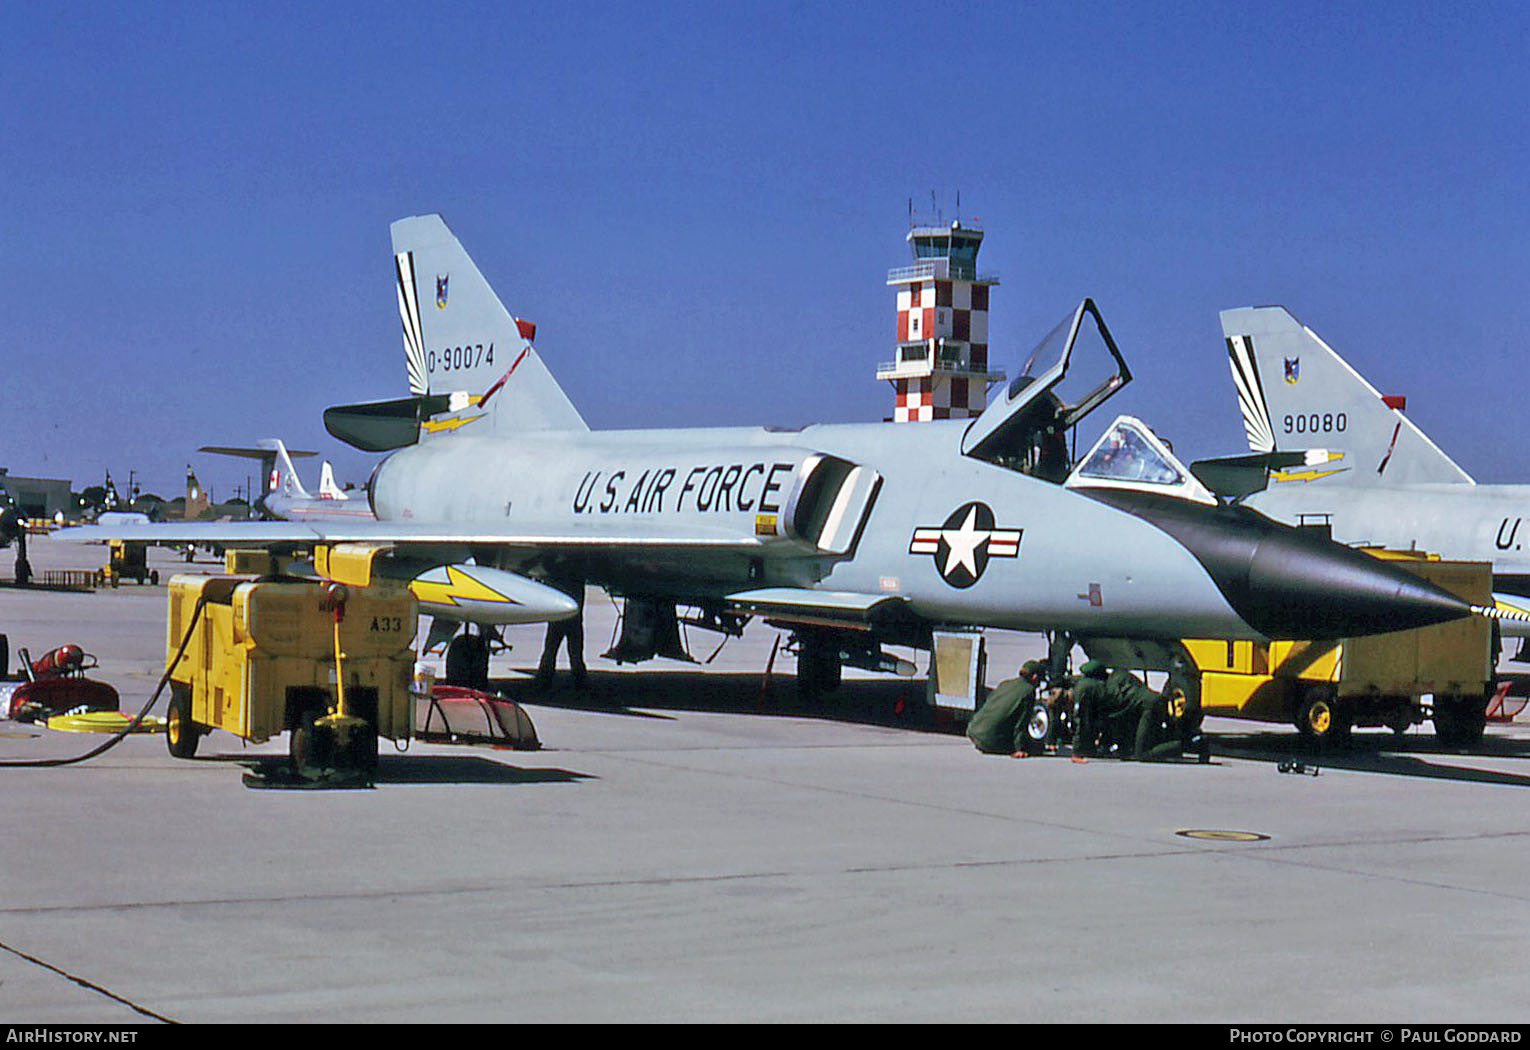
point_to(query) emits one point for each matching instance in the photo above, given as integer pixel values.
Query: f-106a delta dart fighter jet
(498, 501)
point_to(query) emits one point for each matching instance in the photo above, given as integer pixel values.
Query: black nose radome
(1292, 583)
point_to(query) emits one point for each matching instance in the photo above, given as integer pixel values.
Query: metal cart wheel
(181, 733)
(1321, 717)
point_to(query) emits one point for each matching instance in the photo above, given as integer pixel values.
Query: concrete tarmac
(691, 846)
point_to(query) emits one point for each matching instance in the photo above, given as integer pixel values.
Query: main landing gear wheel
(818, 670)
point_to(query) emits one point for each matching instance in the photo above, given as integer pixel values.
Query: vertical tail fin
(1296, 393)
(460, 340)
(327, 487)
(283, 477)
(196, 496)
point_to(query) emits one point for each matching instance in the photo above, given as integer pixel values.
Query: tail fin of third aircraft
(327, 487)
(1296, 393)
(460, 340)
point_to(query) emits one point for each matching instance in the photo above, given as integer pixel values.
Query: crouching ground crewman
(1116, 710)
(998, 726)
(1094, 710)
(1160, 730)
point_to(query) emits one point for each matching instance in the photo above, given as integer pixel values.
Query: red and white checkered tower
(941, 371)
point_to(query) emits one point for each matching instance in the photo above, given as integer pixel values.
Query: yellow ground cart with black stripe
(1400, 679)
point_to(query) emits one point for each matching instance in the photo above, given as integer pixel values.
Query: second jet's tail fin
(276, 471)
(284, 480)
(1296, 393)
(461, 342)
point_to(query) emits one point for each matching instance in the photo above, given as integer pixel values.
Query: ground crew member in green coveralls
(998, 726)
(1116, 710)
(1092, 710)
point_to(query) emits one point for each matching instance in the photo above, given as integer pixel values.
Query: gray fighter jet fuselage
(947, 538)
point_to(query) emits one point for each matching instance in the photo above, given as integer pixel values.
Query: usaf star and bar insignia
(962, 546)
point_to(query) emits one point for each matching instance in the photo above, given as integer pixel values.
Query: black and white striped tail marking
(409, 314)
(1256, 413)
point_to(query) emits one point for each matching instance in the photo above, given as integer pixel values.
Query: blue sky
(698, 203)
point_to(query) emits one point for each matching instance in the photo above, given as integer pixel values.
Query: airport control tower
(941, 371)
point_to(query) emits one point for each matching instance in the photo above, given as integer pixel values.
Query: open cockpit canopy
(1069, 374)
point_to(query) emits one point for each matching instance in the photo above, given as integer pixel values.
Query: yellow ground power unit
(1441, 673)
(127, 559)
(326, 662)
